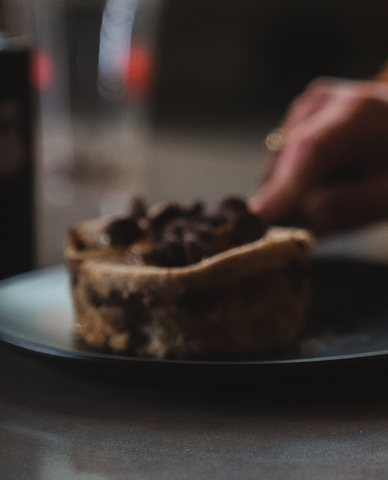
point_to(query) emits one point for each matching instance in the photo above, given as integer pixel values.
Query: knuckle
(316, 91)
(308, 145)
(321, 85)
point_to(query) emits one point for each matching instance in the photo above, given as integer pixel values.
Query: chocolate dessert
(177, 281)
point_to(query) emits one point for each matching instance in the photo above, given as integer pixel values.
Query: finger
(304, 163)
(315, 150)
(305, 105)
(269, 168)
(341, 207)
(315, 96)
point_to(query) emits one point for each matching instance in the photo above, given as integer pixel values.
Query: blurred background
(180, 109)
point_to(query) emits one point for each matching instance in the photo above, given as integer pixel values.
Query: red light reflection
(42, 70)
(138, 71)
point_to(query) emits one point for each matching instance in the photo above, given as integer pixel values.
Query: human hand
(332, 172)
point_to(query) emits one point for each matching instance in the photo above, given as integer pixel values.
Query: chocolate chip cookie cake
(174, 281)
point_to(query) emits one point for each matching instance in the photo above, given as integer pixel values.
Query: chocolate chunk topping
(165, 254)
(183, 235)
(231, 207)
(173, 211)
(166, 214)
(195, 249)
(176, 229)
(213, 220)
(182, 241)
(195, 209)
(202, 230)
(122, 232)
(137, 209)
(245, 229)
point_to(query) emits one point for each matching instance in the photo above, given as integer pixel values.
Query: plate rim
(93, 356)
(55, 352)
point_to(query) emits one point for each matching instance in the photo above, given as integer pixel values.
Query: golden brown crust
(249, 299)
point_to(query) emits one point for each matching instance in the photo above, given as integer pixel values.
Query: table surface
(59, 425)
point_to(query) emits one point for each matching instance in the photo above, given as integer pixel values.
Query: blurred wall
(248, 58)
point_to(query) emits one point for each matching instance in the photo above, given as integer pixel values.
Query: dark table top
(59, 425)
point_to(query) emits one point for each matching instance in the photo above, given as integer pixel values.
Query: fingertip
(261, 206)
(269, 207)
(254, 204)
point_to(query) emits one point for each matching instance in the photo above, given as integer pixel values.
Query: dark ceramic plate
(346, 341)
